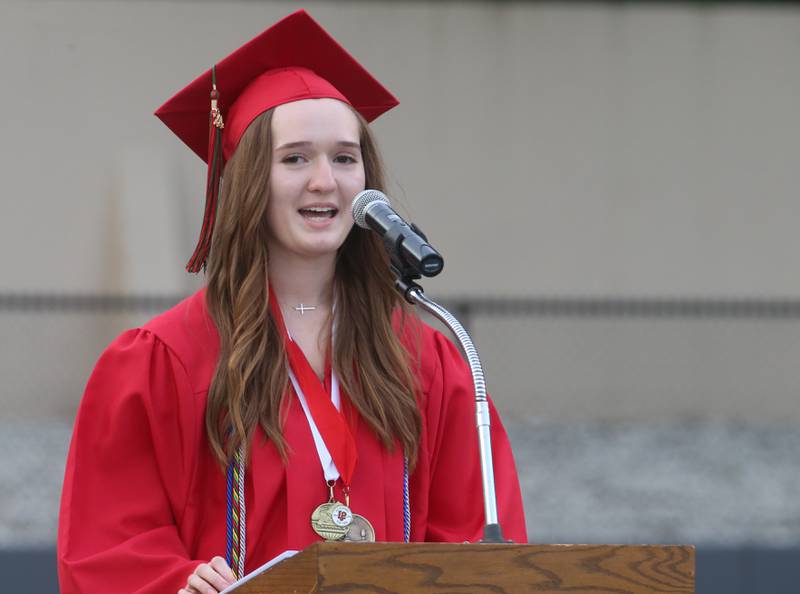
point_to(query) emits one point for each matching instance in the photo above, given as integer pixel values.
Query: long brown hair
(251, 379)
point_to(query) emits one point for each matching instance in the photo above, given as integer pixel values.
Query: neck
(302, 280)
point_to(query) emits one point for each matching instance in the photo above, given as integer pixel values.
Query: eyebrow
(305, 143)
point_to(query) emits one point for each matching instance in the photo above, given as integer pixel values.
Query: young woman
(295, 398)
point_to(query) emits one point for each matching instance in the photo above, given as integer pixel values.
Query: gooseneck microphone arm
(492, 532)
(406, 274)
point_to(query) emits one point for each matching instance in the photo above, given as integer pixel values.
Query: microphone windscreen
(360, 203)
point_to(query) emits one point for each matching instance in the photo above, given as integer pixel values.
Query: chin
(321, 249)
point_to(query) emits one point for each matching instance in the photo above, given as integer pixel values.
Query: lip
(321, 223)
(319, 205)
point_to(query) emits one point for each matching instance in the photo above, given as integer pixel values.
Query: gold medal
(359, 530)
(331, 520)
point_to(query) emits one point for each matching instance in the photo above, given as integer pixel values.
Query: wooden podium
(428, 568)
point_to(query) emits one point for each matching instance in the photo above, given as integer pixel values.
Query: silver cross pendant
(304, 308)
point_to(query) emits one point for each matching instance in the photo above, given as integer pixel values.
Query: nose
(322, 180)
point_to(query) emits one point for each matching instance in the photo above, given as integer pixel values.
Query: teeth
(319, 211)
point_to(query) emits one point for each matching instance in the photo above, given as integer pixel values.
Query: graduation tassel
(215, 126)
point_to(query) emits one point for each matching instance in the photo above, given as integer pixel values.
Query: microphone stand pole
(413, 293)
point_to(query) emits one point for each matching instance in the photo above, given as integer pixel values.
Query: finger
(214, 577)
(221, 566)
(202, 586)
(210, 575)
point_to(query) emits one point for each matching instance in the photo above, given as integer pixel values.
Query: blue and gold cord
(235, 518)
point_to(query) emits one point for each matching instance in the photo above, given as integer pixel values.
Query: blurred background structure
(614, 188)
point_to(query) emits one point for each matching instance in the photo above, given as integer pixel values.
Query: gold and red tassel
(215, 126)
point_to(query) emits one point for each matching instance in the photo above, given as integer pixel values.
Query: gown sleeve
(127, 474)
(455, 498)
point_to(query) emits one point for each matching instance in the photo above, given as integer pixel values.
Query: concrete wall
(549, 149)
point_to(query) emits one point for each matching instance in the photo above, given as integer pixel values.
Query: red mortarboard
(292, 60)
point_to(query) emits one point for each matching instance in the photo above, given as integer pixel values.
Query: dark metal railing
(465, 308)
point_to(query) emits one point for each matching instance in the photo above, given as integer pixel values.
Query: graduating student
(294, 398)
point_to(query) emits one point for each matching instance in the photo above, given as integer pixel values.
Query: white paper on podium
(260, 570)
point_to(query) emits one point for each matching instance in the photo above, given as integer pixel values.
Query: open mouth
(318, 213)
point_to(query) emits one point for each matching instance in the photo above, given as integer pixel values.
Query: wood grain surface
(389, 568)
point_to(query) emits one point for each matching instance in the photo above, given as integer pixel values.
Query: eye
(293, 159)
(345, 159)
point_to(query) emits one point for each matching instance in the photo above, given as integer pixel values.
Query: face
(316, 171)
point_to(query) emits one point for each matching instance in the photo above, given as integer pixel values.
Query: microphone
(407, 245)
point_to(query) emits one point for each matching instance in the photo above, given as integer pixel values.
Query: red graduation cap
(292, 60)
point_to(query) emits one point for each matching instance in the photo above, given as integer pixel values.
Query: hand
(209, 578)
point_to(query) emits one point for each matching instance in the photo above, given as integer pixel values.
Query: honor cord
(236, 537)
(406, 504)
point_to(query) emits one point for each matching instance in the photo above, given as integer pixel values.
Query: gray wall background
(551, 150)
(554, 150)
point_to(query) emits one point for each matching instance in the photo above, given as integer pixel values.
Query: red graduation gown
(143, 501)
